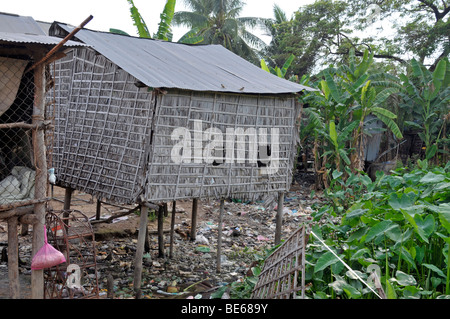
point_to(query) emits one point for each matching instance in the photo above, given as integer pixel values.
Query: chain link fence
(17, 169)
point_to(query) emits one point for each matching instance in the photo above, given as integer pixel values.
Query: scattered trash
(203, 249)
(201, 239)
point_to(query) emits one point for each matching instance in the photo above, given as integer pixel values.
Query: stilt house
(142, 120)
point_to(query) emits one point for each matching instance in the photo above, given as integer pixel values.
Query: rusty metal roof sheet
(165, 64)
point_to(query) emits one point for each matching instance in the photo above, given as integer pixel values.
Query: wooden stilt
(166, 210)
(219, 239)
(279, 218)
(172, 227)
(37, 276)
(161, 231)
(98, 210)
(67, 198)
(194, 218)
(13, 259)
(140, 249)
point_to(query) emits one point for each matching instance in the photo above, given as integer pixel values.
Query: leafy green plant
(164, 27)
(399, 223)
(280, 72)
(338, 112)
(243, 289)
(426, 96)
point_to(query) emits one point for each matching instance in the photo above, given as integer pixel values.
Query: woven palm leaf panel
(196, 177)
(102, 130)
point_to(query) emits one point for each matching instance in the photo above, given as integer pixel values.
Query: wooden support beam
(194, 219)
(39, 151)
(172, 227)
(67, 198)
(279, 218)
(140, 250)
(161, 231)
(18, 211)
(219, 239)
(98, 210)
(13, 259)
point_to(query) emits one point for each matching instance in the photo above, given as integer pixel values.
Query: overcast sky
(115, 13)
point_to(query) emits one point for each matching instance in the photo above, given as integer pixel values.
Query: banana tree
(363, 96)
(426, 94)
(277, 71)
(338, 113)
(164, 27)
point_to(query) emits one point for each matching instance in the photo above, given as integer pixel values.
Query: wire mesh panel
(283, 273)
(70, 232)
(214, 145)
(102, 127)
(17, 173)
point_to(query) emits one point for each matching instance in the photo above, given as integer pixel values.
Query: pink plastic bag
(47, 256)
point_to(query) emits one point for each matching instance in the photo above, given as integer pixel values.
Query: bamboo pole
(219, 239)
(43, 125)
(13, 259)
(140, 249)
(67, 198)
(172, 227)
(279, 218)
(161, 231)
(98, 210)
(17, 205)
(194, 219)
(37, 276)
(54, 50)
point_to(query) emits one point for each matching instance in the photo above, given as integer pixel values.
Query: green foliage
(218, 22)
(138, 21)
(277, 71)
(165, 25)
(164, 30)
(399, 222)
(337, 113)
(426, 96)
(244, 289)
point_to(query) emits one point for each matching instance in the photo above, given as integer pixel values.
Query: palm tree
(272, 29)
(218, 22)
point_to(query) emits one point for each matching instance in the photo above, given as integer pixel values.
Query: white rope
(347, 266)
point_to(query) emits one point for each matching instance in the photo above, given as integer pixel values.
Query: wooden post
(303, 260)
(67, 198)
(172, 227)
(13, 259)
(140, 249)
(98, 209)
(194, 218)
(279, 218)
(161, 231)
(37, 276)
(219, 239)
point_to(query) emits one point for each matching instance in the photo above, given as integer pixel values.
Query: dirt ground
(124, 226)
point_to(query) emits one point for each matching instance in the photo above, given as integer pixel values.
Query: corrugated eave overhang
(162, 64)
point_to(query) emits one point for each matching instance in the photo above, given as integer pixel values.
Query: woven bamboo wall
(102, 127)
(111, 141)
(168, 179)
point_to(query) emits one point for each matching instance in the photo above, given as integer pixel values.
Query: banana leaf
(139, 21)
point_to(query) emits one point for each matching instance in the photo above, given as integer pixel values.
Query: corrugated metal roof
(14, 23)
(34, 38)
(165, 64)
(21, 29)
